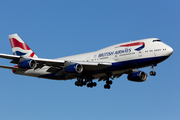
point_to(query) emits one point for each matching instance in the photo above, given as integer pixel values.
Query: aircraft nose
(169, 50)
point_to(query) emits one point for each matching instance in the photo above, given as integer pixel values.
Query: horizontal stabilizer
(12, 68)
(7, 56)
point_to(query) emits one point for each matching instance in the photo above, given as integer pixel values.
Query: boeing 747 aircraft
(103, 65)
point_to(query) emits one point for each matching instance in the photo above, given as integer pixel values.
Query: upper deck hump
(117, 45)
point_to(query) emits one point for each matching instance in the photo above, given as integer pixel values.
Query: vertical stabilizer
(19, 47)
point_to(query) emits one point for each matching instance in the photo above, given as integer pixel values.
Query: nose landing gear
(153, 73)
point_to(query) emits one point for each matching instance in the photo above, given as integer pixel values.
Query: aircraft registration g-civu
(110, 62)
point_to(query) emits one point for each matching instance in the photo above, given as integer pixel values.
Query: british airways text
(114, 52)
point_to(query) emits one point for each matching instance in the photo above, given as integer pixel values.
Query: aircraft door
(88, 59)
(116, 57)
(140, 54)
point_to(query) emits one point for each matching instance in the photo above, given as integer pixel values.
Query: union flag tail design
(19, 47)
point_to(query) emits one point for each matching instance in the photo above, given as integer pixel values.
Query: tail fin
(19, 47)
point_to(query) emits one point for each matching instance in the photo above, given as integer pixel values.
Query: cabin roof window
(156, 40)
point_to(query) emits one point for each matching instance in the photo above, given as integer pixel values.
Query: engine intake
(28, 64)
(139, 76)
(74, 68)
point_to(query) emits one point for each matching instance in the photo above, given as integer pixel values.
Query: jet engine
(28, 64)
(74, 68)
(139, 76)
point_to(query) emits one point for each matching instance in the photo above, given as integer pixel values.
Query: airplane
(102, 65)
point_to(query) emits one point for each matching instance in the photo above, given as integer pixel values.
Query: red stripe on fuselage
(133, 44)
(16, 43)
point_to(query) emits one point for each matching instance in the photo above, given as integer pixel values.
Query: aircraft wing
(57, 62)
(86, 65)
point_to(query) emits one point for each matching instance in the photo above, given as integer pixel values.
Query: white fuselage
(152, 49)
(132, 55)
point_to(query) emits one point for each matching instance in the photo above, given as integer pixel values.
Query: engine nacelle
(28, 64)
(139, 76)
(74, 68)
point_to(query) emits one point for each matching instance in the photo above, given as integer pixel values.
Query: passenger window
(156, 40)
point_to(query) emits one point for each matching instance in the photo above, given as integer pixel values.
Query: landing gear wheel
(94, 84)
(107, 86)
(109, 82)
(88, 85)
(152, 73)
(84, 83)
(80, 84)
(76, 83)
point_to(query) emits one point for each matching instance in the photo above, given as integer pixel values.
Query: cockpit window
(156, 40)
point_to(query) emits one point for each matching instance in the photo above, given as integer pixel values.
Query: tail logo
(20, 48)
(135, 44)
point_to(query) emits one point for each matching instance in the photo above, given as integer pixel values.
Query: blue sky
(56, 28)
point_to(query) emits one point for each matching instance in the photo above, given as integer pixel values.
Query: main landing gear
(153, 73)
(108, 83)
(80, 82)
(92, 84)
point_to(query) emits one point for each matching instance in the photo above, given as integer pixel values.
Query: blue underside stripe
(131, 64)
